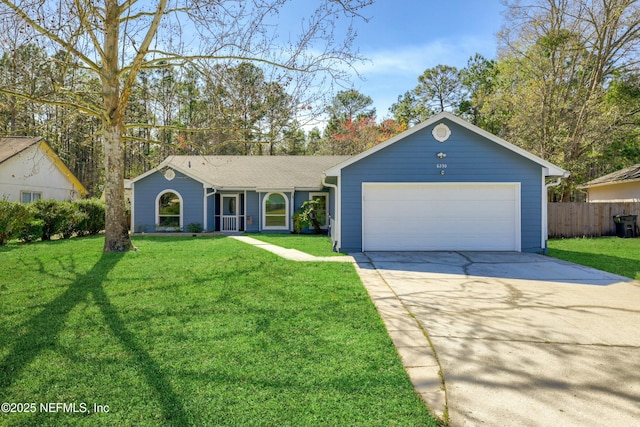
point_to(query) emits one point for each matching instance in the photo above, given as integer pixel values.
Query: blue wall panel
(146, 191)
(253, 212)
(469, 158)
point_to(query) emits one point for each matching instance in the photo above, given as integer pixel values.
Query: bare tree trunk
(116, 232)
(116, 228)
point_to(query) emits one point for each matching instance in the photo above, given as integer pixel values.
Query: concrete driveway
(521, 339)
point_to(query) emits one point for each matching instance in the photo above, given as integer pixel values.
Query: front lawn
(192, 331)
(612, 254)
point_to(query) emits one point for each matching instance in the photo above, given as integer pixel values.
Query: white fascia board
(144, 175)
(275, 190)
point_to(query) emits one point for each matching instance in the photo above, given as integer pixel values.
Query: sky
(405, 37)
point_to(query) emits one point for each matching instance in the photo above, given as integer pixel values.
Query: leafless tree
(115, 39)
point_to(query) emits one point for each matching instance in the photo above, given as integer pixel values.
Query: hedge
(44, 219)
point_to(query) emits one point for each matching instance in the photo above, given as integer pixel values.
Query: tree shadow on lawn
(43, 329)
(619, 265)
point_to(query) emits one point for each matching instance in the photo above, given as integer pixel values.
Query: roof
(14, 145)
(11, 146)
(260, 173)
(630, 174)
(550, 168)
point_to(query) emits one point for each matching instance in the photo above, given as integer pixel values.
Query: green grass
(193, 331)
(612, 254)
(313, 244)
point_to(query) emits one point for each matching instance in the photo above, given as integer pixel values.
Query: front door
(229, 213)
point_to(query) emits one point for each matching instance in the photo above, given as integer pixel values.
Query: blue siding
(470, 158)
(147, 189)
(253, 211)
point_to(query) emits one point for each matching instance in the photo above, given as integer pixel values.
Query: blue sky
(405, 37)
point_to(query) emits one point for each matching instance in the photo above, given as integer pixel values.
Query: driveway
(523, 339)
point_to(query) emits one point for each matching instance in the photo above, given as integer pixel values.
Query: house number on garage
(441, 165)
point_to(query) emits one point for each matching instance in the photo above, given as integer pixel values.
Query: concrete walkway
(411, 340)
(290, 254)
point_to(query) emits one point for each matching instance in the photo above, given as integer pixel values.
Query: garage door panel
(411, 243)
(438, 209)
(461, 216)
(453, 193)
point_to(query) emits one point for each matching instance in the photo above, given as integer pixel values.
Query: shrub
(53, 216)
(31, 230)
(194, 227)
(93, 222)
(307, 217)
(74, 220)
(13, 216)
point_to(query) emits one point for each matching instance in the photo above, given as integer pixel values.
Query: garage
(443, 184)
(441, 216)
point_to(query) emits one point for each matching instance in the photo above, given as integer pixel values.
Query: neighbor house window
(169, 211)
(275, 211)
(322, 205)
(29, 196)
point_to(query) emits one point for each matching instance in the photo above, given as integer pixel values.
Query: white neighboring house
(31, 170)
(620, 186)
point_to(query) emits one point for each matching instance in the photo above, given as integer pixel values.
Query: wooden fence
(587, 219)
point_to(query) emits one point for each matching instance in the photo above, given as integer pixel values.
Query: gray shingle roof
(254, 172)
(627, 174)
(11, 146)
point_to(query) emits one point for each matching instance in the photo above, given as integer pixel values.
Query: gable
(36, 168)
(464, 156)
(473, 138)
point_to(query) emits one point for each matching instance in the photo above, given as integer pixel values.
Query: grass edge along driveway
(612, 254)
(193, 331)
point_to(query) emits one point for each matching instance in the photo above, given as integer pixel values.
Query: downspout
(336, 241)
(545, 219)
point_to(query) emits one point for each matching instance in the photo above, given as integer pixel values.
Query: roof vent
(441, 132)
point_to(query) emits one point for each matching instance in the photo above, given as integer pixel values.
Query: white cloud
(392, 72)
(414, 59)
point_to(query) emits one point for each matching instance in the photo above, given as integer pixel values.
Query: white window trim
(31, 193)
(264, 212)
(327, 198)
(158, 211)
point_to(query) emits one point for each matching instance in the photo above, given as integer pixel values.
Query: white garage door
(447, 216)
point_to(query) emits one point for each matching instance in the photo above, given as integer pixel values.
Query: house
(228, 193)
(31, 170)
(619, 186)
(441, 185)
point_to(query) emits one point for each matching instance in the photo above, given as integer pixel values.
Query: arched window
(169, 211)
(275, 212)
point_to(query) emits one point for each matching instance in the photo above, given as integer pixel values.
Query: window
(29, 196)
(169, 211)
(275, 212)
(322, 213)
